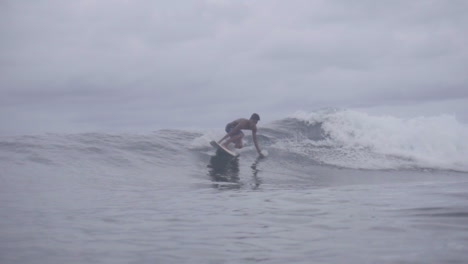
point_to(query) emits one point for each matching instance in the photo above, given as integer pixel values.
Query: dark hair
(255, 117)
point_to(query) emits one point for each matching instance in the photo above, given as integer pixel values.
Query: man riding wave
(235, 134)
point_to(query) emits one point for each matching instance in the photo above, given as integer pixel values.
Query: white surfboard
(225, 150)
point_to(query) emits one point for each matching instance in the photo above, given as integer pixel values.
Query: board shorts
(229, 127)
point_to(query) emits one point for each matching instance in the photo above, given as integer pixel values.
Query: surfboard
(223, 149)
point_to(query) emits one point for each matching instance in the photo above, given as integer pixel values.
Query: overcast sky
(83, 65)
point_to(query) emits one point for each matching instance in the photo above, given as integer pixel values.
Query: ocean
(336, 186)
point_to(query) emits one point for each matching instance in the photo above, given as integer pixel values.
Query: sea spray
(359, 140)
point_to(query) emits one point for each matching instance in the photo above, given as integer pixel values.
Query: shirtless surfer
(235, 134)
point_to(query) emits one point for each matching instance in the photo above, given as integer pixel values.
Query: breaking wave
(342, 138)
(353, 139)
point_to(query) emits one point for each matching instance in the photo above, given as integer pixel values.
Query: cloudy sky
(114, 65)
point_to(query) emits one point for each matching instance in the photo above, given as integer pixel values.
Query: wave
(331, 137)
(354, 139)
(96, 150)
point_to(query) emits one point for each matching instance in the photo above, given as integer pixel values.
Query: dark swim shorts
(229, 127)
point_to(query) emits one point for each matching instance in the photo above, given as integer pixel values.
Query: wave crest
(353, 139)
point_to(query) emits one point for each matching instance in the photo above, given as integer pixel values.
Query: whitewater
(336, 186)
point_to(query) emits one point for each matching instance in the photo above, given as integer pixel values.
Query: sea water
(338, 186)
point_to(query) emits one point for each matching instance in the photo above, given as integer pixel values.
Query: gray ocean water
(166, 197)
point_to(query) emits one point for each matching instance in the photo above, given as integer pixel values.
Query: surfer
(235, 134)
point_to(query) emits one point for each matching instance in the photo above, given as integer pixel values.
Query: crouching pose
(235, 134)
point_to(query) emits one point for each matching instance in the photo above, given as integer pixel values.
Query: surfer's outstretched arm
(254, 136)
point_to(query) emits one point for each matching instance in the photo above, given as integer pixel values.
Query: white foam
(203, 142)
(432, 142)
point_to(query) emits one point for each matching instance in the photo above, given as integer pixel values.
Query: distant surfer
(235, 134)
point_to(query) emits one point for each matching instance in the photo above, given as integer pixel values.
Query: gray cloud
(117, 64)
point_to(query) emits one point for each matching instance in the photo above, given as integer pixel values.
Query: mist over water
(338, 186)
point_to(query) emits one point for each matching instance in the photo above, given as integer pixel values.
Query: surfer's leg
(228, 129)
(237, 139)
(238, 142)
